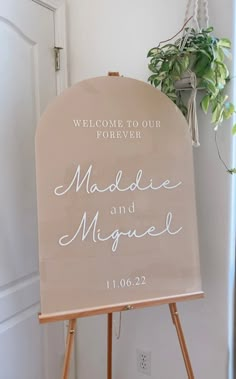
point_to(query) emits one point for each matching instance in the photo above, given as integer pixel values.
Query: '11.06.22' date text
(125, 283)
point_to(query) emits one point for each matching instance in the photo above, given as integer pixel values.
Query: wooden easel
(176, 322)
(73, 316)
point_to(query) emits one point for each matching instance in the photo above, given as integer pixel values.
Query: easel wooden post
(69, 347)
(109, 345)
(179, 330)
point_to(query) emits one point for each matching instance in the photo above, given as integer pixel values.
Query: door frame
(58, 7)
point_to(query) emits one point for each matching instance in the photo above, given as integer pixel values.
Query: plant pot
(188, 81)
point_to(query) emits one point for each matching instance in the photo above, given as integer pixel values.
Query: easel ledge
(71, 315)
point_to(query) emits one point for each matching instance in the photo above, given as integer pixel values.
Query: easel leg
(176, 321)
(109, 346)
(69, 346)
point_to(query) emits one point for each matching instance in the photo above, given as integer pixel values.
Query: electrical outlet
(144, 361)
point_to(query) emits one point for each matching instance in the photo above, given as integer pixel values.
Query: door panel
(18, 118)
(24, 359)
(28, 83)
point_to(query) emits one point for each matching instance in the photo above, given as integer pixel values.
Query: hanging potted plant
(196, 61)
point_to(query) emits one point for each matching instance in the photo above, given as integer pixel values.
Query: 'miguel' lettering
(85, 230)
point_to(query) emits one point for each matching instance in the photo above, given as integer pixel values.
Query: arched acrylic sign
(116, 205)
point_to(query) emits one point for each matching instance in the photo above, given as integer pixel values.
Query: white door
(27, 84)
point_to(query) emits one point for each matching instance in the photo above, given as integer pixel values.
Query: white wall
(108, 35)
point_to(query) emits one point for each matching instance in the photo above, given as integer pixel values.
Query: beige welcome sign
(116, 203)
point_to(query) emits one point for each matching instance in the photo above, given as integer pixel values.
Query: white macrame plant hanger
(197, 13)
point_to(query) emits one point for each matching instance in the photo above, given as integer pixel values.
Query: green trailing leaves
(217, 115)
(177, 70)
(205, 103)
(205, 55)
(153, 52)
(202, 53)
(202, 65)
(234, 129)
(232, 171)
(209, 76)
(228, 110)
(208, 30)
(185, 62)
(225, 42)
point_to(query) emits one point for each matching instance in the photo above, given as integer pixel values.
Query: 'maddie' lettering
(139, 183)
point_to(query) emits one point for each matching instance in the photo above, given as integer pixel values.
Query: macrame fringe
(192, 118)
(187, 82)
(200, 19)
